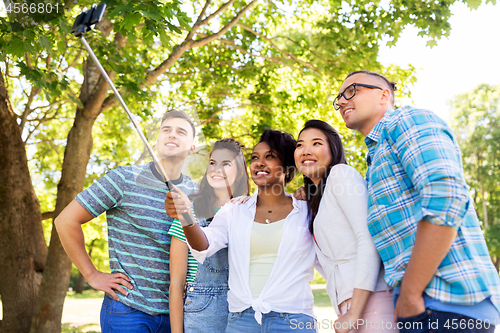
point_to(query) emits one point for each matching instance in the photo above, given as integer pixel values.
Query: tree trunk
(80, 283)
(22, 246)
(50, 301)
(48, 311)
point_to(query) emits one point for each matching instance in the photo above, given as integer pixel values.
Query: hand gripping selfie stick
(82, 24)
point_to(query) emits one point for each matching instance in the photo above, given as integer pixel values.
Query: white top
(287, 289)
(345, 248)
(264, 245)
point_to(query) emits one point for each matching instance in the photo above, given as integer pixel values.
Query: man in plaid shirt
(420, 213)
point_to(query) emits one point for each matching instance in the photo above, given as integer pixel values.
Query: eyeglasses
(350, 92)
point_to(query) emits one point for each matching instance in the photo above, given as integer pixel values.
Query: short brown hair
(178, 114)
(390, 84)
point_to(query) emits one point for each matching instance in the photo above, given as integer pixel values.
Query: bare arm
(178, 271)
(432, 243)
(358, 303)
(69, 227)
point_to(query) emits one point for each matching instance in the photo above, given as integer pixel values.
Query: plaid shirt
(415, 173)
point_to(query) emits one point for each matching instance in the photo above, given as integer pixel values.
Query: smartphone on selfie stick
(84, 23)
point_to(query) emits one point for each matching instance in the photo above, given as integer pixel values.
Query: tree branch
(218, 65)
(226, 28)
(145, 152)
(312, 52)
(198, 22)
(291, 55)
(47, 215)
(242, 50)
(77, 57)
(40, 121)
(274, 59)
(221, 8)
(28, 60)
(177, 52)
(52, 104)
(201, 70)
(27, 110)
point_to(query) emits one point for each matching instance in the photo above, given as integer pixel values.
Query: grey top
(139, 245)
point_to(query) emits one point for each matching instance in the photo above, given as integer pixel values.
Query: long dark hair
(315, 193)
(205, 197)
(283, 144)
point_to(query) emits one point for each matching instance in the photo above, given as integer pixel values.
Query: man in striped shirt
(133, 198)
(420, 213)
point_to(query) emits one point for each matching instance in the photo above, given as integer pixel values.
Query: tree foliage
(476, 122)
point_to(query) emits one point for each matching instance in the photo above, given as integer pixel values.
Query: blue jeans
(205, 309)
(120, 318)
(271, 322)
(443, 322)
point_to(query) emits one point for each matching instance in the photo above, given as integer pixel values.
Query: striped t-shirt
(177, 232)
(192, 267)
(139, 246)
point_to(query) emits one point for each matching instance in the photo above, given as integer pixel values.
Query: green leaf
(77, 102)
(130, 21)
(64, 27)
(431, 43)
(29, 47)
(164, 38)
(45, 43)
(153, 16)
(473, 4)
(16, 47)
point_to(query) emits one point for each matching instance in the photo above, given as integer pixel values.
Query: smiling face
(266, 168)
(313, 154)
(175, 139)
(222, 169)
(367, 107)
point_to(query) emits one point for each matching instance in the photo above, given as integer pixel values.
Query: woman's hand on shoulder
(240, 200)
(300, 193)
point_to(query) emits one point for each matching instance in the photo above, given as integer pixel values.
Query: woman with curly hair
(204, 308)
(271, 252)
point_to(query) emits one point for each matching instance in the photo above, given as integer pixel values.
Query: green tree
(242, 65)
(476, 122)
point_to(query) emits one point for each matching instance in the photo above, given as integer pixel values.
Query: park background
(241, 67)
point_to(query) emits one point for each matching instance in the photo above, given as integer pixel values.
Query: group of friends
(400, 249)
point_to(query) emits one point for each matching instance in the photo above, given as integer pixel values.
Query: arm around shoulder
(216, 234)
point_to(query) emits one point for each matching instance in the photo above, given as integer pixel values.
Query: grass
(68, 328)
(321, 298)
(90, 293)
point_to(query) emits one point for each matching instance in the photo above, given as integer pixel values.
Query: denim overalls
(205, 304)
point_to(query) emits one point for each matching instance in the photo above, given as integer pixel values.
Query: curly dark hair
(205, 197)
(283, 144)
(315, 193)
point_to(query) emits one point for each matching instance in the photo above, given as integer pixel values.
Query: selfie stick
(82, 24)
